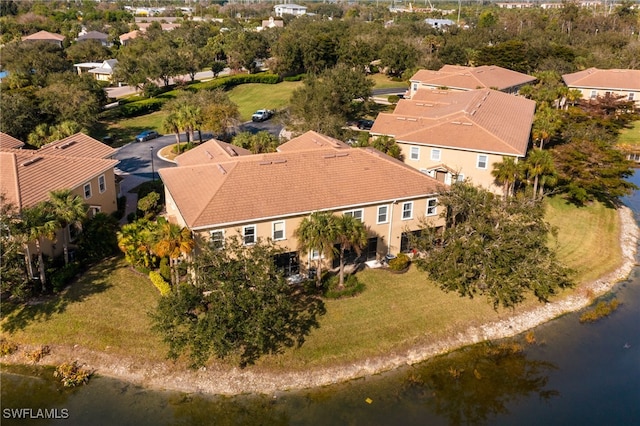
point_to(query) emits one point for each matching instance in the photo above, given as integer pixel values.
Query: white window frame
(436, 154)
(415, 86)
(432, 207)
(410, 210)
(414, 153)
(460, 177)
(315, 255)
(593, 94)
(213, 240)
(486, 161)
(386, 215)
(244, 235)
(86, 189)
(283, 230)
(631, 96)
(102, 184)
(355, 213)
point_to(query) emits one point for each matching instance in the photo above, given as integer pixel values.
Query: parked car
(146, 135)
(365, 124)
(262, 115)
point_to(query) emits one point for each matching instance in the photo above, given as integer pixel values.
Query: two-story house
(78, 162)
(453, 135)
(594, 82)
(459, 78)
(218, 191)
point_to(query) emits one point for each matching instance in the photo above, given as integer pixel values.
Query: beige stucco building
(218, 191)
(457, 135)
(594, 82)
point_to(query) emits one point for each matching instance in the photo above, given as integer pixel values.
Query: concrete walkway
(129, 182)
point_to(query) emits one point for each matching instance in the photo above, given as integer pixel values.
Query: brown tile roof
(311, 141)
(129, 36)
(28, 176)
(289, 183)
(614, 79)
(470, 78)
(211, 151)
(78, 145)
(479, 120)
(8, 141)
(44, 35)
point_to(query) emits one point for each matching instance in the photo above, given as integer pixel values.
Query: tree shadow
(95, 280)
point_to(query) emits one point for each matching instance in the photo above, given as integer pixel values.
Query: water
(575, 374)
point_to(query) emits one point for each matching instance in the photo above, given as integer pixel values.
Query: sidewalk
(129, 182)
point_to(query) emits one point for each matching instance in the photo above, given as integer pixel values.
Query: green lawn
(384, 82)
(124, 130)
(631, 136)
(252, 97)
(106, 310)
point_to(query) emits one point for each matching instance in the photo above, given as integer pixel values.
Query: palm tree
(172, 124)
(506, 174)
(317, 232)
(40, 224)
(69, 210)
(545, 124)
(135, 240)
(173, 242)
(351, 234)
(539, 162)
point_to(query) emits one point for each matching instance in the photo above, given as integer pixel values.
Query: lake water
(575, 374)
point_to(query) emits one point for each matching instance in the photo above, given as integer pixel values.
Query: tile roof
(129, 36)
(28, 176)
(78, 145)
(211, 151)
(93, 35)
(44, 35)
(311, 141)
(478, 120)
(8, 141)
(619, 79)
(470, 78)
(290, 182)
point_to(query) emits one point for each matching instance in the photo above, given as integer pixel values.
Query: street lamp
(153, 173)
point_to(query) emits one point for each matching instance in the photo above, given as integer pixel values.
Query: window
(315, 255)
(249, 235)
(382, 214)
(415, 86)
(415, 153)
(407, 210)
(216, 239)
(432, 206)
(358, 214)
(102, 184)
(435, 154)
(631, 96)
(594, 94)
(87, 190)
(482, 161)
(460, 177)
(278, 231)
(94, 210)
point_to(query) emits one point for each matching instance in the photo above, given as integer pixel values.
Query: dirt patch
(225, 380)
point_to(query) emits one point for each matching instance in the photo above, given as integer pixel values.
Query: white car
(261, 115)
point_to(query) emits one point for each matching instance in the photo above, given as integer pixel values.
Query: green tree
(506, 174)
(98, 239)
(317, 232)
(492, 247)
(15, 281)
(69, 211)
(39, 224)
(257, 143)
(385, 144)
(539, 163)
(398, 56)
(135, 241)
(30, 63)
(173, 242)
(237, 305)
(351, 234)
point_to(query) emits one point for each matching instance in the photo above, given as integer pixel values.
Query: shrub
(72, 374)
(36, 355)
(602, 309)
(142, 107)
(400, 262)
(61, 277)
(165, 269)
(298, 77)
(352, 287)
(393, 99)
(160, 283)
(235, 80)
(7, 347)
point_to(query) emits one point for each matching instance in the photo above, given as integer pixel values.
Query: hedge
(142, 107)
(160, 283)
(235, 80)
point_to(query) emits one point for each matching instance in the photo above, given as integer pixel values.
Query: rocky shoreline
(223, 380)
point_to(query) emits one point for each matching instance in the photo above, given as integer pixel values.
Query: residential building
(289, 9)
(594, 82)
(45, 36)
(453, 135)
(218, 192)
(459, 78)
(78, 163)
(95, 35)
(270, 23)
(7, 141)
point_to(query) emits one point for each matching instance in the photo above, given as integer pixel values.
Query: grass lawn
(631, 136)
(384, 82)
(252, 97)
(124, 130)
(107, 307)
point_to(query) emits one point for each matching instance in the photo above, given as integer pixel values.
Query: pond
(586, 374)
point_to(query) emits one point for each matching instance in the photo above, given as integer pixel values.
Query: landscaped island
(399, 319)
